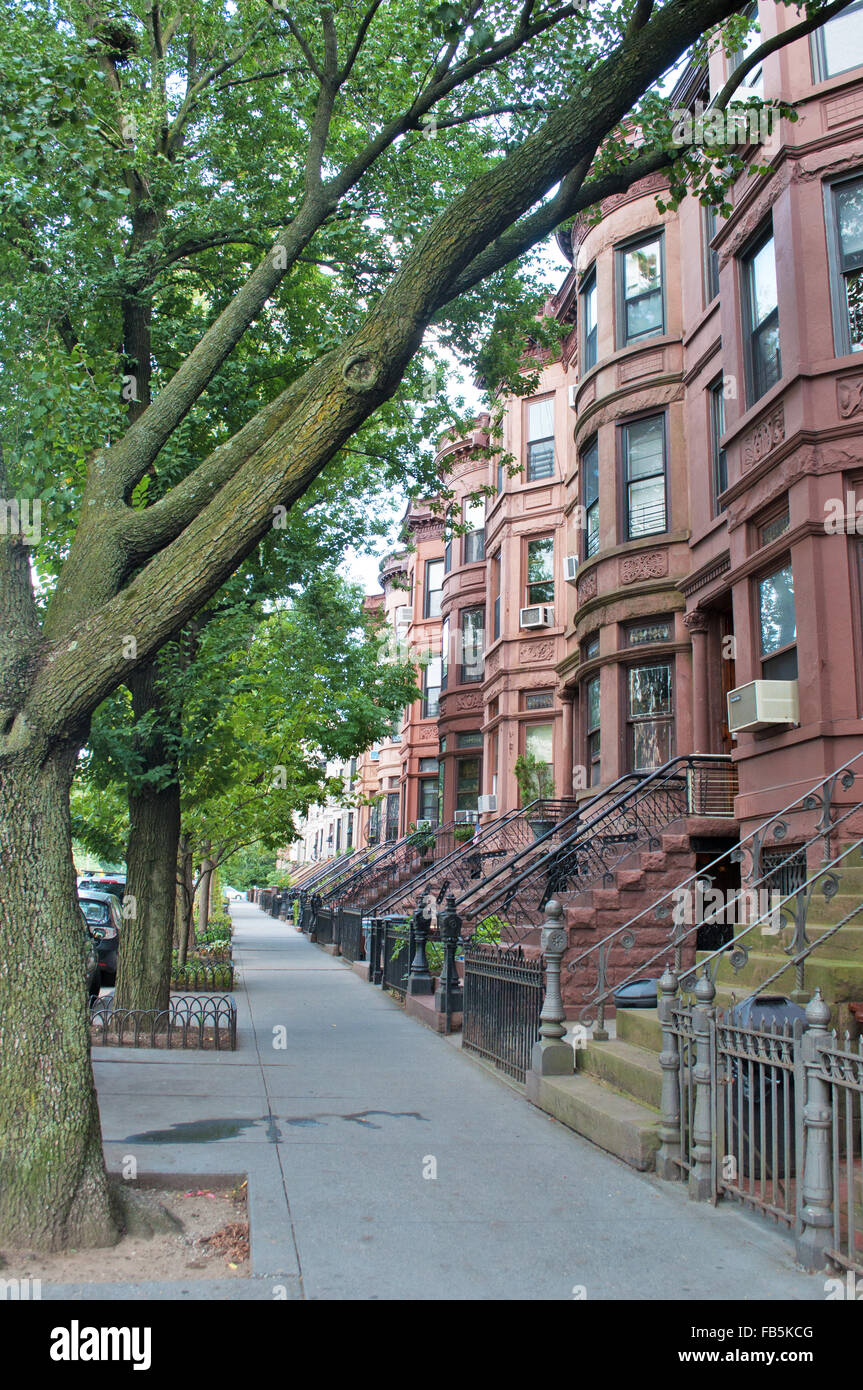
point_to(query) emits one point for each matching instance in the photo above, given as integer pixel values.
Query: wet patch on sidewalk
(206, 1131)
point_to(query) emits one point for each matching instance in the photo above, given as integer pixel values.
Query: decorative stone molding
(491, 663)
(764, 437)
(849, 396)
(650, 564)
(589, 394)
(536, 651)
(587, 587)
(696, 621)
(755, 214)
(471, 700)
(466, 465)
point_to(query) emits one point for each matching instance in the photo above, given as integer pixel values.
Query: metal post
(375, 951)
(816, 1191)
(701, 1172)
(449, 996)
(420, 981)
(668, 1156)
(551, 1055)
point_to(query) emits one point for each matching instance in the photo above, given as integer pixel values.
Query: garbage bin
(761, 1095)
(638, 994)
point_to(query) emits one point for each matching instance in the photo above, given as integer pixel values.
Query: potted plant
(535, 782)
(461, 833)
(422, 839)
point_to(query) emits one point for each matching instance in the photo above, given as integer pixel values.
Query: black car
(104, 920)
(94, 974)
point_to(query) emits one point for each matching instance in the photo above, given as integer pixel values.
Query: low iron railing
(769, 1114)
(628, 816)
(503, 993)
(191, 1021)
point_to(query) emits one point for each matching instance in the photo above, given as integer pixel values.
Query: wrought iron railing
(503, 994)
(351, 939)
(769, 869)
(766, 1113)
(461, 863)
(628, 816)
(404, 859)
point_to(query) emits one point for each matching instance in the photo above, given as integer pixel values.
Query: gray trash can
(764, 1109)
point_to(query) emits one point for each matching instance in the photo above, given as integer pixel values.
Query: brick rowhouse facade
(676, 464)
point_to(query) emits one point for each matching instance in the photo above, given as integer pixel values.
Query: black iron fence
(503, 993)
(351, 938)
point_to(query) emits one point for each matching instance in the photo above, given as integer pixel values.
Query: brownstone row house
(664, 542)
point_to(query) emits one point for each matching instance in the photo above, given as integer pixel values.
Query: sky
(361, 567)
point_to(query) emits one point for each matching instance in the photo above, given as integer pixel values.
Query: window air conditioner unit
(424, 825)
(572, 390)
(466, 817)
(761, 704)
(570, 568)
(486, 803)
(540, 615)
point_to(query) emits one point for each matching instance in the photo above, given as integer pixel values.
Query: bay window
(650, 716)
(644, 472)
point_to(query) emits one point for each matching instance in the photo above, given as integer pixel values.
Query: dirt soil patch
(202, 1232)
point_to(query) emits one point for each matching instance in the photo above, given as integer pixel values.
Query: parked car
(106, 883)
(94, 974)
(104, 919)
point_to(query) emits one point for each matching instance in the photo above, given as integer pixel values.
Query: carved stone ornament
(765, 436)
(849, 396)
(536, 651)
(696, 621)
(587, 587)
(650, 564)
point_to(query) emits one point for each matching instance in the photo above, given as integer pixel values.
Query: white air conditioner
(486, 803)
(540, 615)
(466, 817)
(570, 568)
(423, 825)
(572, 390)
(761, 704)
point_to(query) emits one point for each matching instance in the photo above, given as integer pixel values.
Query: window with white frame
(540, 439)
(644, 474)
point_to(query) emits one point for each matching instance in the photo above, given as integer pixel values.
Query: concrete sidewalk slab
(336, 1130)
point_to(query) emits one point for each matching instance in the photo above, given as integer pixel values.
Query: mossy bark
(53, 1185)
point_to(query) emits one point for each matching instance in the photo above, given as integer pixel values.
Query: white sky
(362, 567)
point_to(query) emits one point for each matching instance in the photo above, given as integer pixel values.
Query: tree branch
(778, 41)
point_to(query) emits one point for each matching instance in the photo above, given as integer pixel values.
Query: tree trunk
(53, 1185)
(207, 867)
(186, 885)
(144, 974)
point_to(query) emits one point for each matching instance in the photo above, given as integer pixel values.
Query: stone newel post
(700, 1174)
(551, 1055)
(816, 1214)
(669, 1060)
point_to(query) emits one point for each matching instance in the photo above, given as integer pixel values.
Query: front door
(726, 675)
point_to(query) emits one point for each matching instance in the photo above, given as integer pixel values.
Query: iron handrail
(385, 861)
(352, 864)
(808, 801)
(642, 784)
(469, 847)
(316, 874)
(824, 872)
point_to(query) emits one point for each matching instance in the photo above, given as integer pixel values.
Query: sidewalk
(336, 1129)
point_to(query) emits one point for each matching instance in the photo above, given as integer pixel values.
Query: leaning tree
(383, 97)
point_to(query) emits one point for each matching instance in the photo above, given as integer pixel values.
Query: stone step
(850, 877)
(838, 978)
(846, 944)
(831, 910)
(613, 1122)
(641, 1027)
(633, 1071)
